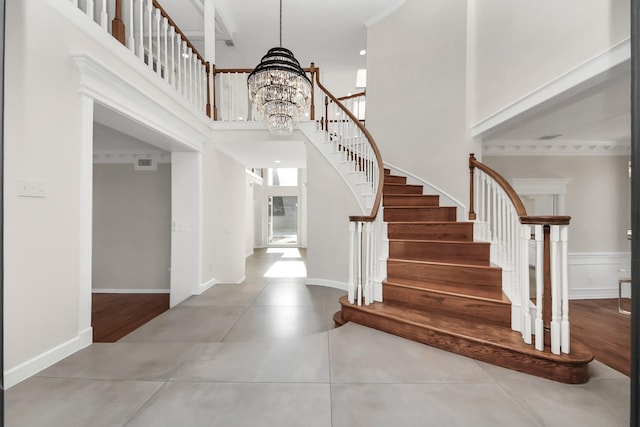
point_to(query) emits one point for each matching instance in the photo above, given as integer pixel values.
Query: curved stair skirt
(442, 290)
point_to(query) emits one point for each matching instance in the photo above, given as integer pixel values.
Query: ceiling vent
(229, 43)
(148, 164)
(548, 137)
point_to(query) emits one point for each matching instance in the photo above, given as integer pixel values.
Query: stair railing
(356, 103)
(148, 31)
(501, 218)
(350, 138)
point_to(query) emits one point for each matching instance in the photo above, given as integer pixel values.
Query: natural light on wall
(282, 177)
(361, 78)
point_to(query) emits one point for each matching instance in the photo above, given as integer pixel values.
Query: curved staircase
(441, 290)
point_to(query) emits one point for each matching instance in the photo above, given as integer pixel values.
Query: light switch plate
(30, 188)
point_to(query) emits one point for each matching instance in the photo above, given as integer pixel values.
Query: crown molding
(556, 148)
(129, 158)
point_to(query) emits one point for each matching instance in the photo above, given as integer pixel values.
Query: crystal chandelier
(279, 88)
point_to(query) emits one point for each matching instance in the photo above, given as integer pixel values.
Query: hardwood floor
(598, 325)
(115, 315)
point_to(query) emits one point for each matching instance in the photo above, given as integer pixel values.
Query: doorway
(282, 220)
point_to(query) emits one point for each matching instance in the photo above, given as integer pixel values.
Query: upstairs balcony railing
(501, 218)
(148, 31)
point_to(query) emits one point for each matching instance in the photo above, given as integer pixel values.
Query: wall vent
(146, 164)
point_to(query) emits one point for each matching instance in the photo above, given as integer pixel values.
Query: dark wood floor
(115, 315)
(598, 325)
(595, 323)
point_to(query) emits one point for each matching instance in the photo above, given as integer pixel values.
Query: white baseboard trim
(328, 283)
(130, 291)
(248, 254)
(31, 367)
(204, 286)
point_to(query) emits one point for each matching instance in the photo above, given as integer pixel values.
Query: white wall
(224, 226)
(131, 228)
(519, 46)
(329, 204)
(416, 91)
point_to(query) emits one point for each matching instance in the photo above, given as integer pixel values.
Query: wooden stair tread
(446, 242)
(448, 264)
(445, 290)
(477, 292)
(471, 330)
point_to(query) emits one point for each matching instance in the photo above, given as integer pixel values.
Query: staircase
(441, 290)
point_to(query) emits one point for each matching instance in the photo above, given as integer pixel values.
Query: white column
(523, 261)
(210, 31)
(352, 237)
(555, 290)
(539, 289)
(564, 238)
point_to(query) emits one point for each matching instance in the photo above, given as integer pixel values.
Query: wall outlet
(30, 188)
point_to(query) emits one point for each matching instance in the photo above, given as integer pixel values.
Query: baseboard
(204, 286)
(130, 291)
(328, 283)
(594, 275)
(248, 254)
(31, 367)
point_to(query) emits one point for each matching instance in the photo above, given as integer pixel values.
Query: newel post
(472, 166)
(208, 71)
(215, 104)
(312, 112)
(117, 25)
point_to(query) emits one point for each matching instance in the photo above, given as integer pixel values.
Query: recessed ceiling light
(276, 161)
(363, 52)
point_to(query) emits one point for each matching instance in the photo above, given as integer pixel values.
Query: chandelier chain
(280, 23)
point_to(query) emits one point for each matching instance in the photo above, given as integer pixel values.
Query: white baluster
(564, 265)
(89, 10)
(158, 17)
(150, 34)
(555, 291)
(132, 41)
(539, 288)
(172, 71)
(165, 32)
(525, 286)
(74, 2)
(183, 65)
(104, 17)
(189, 74)
(359, 262)
(141, 29)
(352, 282)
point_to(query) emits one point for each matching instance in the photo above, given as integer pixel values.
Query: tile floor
(264, 353)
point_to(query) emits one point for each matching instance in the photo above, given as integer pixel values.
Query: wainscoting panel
(595, 274)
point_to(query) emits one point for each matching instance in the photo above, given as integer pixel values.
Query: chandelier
(279, 88)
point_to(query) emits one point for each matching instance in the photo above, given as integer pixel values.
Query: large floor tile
(188, 324)
(225, 295)
(363, 355)
(132, 361)
(426, 405)
(227, 404)
(304, 359)
(597, 403)
(264, 323)
(57, 402)
(286, 293)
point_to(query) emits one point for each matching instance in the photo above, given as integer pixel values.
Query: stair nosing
(504, 300)
(489, 267)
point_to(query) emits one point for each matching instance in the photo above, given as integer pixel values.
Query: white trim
(32, 366)
(129, 158)
(206, 286)
(545, 186)
(104, 85)
(248, 254)
(590, 72)
(599, 269)
(129, 291)
(555, 148)
(310, 281)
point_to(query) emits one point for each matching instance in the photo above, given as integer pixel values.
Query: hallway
(264, 353)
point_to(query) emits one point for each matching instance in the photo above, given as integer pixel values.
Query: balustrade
(156, 40)
(501, 219)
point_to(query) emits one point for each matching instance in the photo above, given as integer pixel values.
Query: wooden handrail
(376, 203)
(355, 95)
(513, 196)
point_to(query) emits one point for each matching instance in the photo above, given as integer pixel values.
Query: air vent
(146, 164)
(229, 43)
(548, 137)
